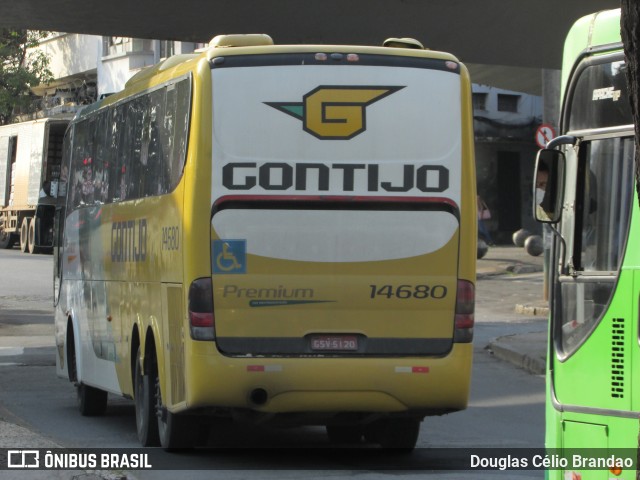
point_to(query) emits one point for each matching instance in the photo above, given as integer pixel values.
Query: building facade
(505, 124)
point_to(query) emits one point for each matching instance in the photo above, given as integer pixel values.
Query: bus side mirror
(548, 191)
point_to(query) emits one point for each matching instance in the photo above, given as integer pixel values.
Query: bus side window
(113, 132)
(137, 117)
(81, 182)
(101, 159)
(604, 203)
(604, 195)
(175, 129)
(152, 154)
(123, 144)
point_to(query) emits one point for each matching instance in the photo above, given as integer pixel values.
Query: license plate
(334, 342)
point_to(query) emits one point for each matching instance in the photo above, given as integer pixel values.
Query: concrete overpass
(511, 39)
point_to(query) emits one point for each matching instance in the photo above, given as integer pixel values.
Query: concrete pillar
(551, 115)
(551, 97)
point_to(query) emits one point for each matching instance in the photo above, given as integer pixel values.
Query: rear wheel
(24, 235)
(175, 431)
(32, 237)
(145, 402)
(397, 433)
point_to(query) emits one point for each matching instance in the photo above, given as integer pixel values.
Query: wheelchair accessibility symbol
(229, 256)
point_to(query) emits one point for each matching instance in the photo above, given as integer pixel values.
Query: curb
(536, 311)
(529, 363)
(503, 269)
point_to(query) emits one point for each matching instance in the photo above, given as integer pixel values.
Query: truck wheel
(32, 237)
(24, 235)
(6, 240)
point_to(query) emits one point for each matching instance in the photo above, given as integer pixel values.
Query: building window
(508, 103)
(167, 48)
(124, 45)
(479, 101)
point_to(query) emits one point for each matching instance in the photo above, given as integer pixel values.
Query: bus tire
(145, 404)
(24, 235)
(400, 434)
(176, 432)
(91, 401)
(344, 434)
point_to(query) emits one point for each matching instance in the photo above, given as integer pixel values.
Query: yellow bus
(273, 233)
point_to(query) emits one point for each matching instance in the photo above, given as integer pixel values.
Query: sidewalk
(15, 437)
(529, 350)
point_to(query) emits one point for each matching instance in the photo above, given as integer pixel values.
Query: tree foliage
(21, 67)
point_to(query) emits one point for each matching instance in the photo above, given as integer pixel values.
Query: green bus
(584, 190)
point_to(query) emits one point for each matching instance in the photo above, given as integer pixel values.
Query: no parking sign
(544, 134)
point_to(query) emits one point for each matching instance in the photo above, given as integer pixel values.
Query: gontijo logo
(335, 112)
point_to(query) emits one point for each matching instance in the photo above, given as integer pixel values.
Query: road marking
(11, 351)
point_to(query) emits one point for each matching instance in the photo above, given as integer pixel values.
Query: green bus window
(604, 203)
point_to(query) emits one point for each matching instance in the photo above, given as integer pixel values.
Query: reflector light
(451, 65)
(412, 369)
(353, 57)
(420, 370)
(264, 368)
(321, 57)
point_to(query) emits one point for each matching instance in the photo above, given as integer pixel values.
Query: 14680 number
(408, 291)
(170, 238)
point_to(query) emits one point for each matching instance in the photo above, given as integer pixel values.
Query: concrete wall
(72, 54)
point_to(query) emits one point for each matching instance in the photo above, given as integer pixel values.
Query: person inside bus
(542, 199)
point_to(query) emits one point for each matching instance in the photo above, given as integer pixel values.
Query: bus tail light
(201, 319)
(465, 308)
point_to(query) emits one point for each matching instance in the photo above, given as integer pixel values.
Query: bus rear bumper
(331, 385)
